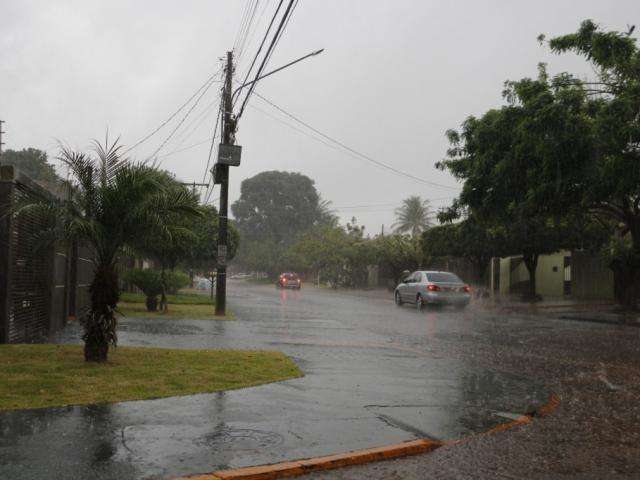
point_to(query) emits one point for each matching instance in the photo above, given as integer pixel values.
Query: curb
(359, 457)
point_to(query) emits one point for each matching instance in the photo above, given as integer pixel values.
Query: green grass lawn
(182, 298)
(176, 311)
(193, 305)
(35, 376)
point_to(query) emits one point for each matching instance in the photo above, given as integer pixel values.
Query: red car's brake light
(466, 289)
(433, 288)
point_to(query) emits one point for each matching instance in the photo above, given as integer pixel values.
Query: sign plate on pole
(222, 254)
(229, 154)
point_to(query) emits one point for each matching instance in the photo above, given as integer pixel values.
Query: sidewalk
(599, 311)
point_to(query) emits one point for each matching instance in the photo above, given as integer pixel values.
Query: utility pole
(1, 142)
(228, 134)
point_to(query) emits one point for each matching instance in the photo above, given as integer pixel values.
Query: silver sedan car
(427, 287)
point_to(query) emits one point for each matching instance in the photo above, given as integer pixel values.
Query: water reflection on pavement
(374, 374)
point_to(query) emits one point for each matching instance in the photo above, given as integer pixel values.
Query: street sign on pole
(229, 154)
(222, 254)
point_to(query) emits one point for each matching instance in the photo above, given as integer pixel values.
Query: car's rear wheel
(398, 299)
(419, 303)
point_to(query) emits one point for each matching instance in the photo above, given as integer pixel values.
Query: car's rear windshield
(290, 276)
(443, 277)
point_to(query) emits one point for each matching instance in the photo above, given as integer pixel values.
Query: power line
(243, 20)
(257, 23)
(213, 141)
(283, 29)
(195, 104)
(264, 39)
(247, 28)
(174, 114)
(352, 150)
(378, 205)
(266, 57)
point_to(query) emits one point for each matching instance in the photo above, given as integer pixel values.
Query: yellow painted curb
(358, 457)
(302, 467)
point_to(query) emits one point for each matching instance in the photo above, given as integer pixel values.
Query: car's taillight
(433, 288)
(466, 288)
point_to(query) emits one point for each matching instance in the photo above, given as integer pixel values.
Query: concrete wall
(591, 278)
(550, 274)
(505, 276)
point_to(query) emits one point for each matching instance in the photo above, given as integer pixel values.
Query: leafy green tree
(273, 211)
(278, 206)
(109, 203)
(398, 253)
(520, 165)
(202, 250)
(467, 239)
(340, 254)
(33, 163)
(609, 177)
(170, 241)
(414, 216)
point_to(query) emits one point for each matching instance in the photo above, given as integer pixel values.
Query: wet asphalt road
(375, 374)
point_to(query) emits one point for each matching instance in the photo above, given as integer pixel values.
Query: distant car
(289, 280)
(426, 287)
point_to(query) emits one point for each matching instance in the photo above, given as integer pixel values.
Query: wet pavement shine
(375, 374)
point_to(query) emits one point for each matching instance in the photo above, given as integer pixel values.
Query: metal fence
(40, 285)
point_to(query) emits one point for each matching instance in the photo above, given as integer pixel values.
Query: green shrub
(175, 281)
(150, 282)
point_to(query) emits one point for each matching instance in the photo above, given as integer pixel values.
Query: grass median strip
(176, 311)
(182, 298)
(35, 376)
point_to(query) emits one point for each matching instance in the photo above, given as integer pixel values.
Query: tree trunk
(531, 262)
(152, 304)
(164, 308)
(100, 322)
(626, 271)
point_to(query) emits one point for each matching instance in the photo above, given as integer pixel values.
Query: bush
(150, 282)
(175, 281)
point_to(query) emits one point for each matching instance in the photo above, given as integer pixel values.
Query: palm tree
(414, 216)
(110, 203)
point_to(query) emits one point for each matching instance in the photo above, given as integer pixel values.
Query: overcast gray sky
(394, 76)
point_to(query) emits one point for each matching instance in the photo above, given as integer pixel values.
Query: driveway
(375, 374)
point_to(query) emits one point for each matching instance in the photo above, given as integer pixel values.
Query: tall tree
(202, 252)
(609, 180)
(33, 163)
(278, 206)
(397, 254)
(273, 211)
(414, 216)
(520, 165)
(467, 239)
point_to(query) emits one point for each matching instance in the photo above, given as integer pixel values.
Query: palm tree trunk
(100, 322)
(164, 308)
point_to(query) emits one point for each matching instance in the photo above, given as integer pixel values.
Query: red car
(289, 280)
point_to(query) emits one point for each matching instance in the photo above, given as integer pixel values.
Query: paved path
(374, 374)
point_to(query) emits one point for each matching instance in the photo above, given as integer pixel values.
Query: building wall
(550, 275)
(590, 276)
(505, 276)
